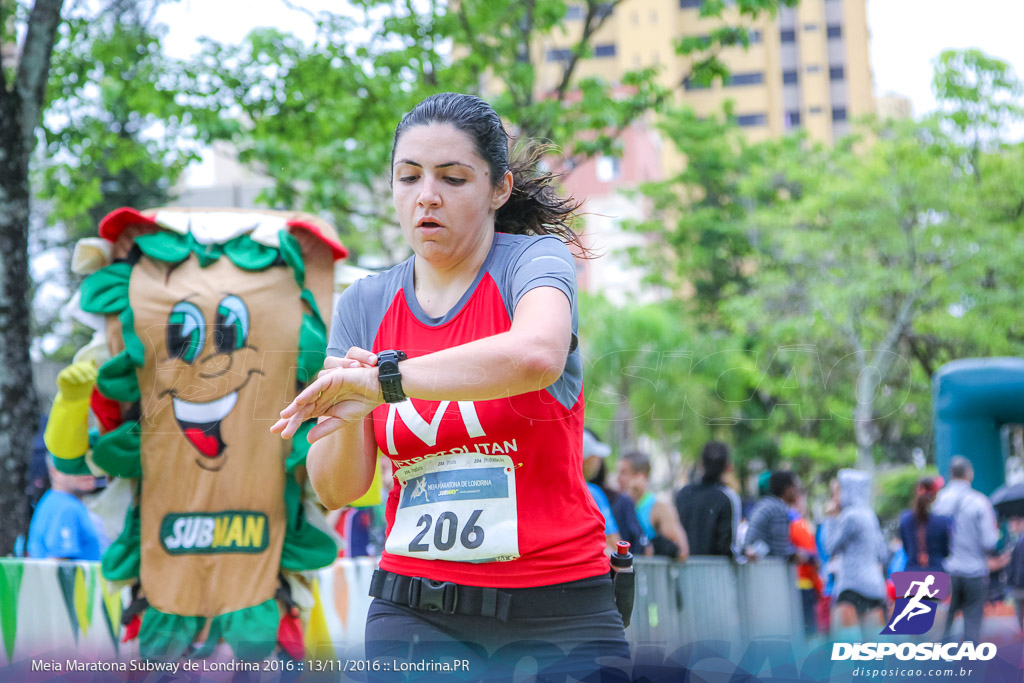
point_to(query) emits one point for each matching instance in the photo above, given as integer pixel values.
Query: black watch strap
(389, 375)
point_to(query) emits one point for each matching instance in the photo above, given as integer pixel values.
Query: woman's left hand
(346, 390)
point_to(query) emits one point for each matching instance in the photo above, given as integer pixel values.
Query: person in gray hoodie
(854, 538)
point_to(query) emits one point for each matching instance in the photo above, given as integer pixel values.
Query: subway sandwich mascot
(213, 321)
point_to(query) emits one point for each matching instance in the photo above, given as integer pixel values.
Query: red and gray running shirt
(487, 493)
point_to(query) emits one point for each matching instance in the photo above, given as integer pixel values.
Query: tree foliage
(848, 274)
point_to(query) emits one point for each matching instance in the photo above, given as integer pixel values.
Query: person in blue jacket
(62, 527)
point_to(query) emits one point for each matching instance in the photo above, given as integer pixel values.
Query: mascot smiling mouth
(200, 423)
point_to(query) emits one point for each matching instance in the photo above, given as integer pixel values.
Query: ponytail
(535, 207)
(924, 499)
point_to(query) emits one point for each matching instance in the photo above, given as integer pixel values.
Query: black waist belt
(504, 604)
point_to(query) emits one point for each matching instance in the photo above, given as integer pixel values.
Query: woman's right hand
(346, 390)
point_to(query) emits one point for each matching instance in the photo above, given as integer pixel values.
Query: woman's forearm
(340, 465)
(506, 364)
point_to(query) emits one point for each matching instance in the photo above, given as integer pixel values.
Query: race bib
(460, 508)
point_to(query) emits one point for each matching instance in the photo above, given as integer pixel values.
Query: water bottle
(623, 581)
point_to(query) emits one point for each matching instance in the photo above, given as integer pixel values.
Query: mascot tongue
(208, 445)
(204, 436)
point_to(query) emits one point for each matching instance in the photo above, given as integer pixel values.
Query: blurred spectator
(853, 538)
(1015, 572)
(594, 453)
(62, 527)
(808, 581)
(768, 530)
(925, 535)
(623, 509)
(658, 518)
(706, 511)
(974, 539)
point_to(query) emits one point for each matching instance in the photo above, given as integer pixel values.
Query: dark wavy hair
(534, 207)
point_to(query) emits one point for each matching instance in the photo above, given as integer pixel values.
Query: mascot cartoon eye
(231, 328)
(186, 331)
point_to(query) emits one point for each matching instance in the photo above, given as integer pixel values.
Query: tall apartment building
(807, 67)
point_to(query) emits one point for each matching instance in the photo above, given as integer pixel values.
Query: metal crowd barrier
(48, 605)
(712, 598)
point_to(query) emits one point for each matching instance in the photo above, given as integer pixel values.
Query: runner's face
(444, 194)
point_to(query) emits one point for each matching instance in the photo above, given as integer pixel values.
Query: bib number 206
(446, 530)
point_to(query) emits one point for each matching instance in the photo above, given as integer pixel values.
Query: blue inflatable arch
(972, 399)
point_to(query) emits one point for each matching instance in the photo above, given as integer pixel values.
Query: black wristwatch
(389, 376)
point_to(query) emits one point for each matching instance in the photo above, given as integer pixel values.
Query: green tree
(978, 94)
(22, 100)
(843, 276)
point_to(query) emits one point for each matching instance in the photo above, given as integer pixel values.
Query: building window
(690, 4)
(559, 54)
(790, 77)
(751, 120)
(835, 73)
(577, 12)
(810, 27)
(604, 50)
(608, 169)
(792, 119)
(753, 78)
(814, 110)
(787, 35)
(813, 69)
(689, 84)
(839, 114)
(835, 31)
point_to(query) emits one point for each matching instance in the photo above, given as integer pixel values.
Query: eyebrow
(447, 164)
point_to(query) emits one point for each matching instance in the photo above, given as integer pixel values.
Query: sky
(907, 36)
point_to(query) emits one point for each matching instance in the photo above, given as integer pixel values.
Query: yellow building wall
(645, 32)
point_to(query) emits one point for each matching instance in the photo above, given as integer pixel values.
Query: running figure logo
(420, 490)
(921, 592)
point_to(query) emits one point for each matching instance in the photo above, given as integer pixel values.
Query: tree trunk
(19, 412)
(864, 429)
(21, 113)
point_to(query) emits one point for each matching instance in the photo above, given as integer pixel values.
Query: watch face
(388, 367)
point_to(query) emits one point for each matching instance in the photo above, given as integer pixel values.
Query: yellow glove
(67, 432)
(75, 382)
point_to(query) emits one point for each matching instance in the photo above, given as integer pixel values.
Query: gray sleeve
(988, 530)
(545, 262)
(347, 329)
